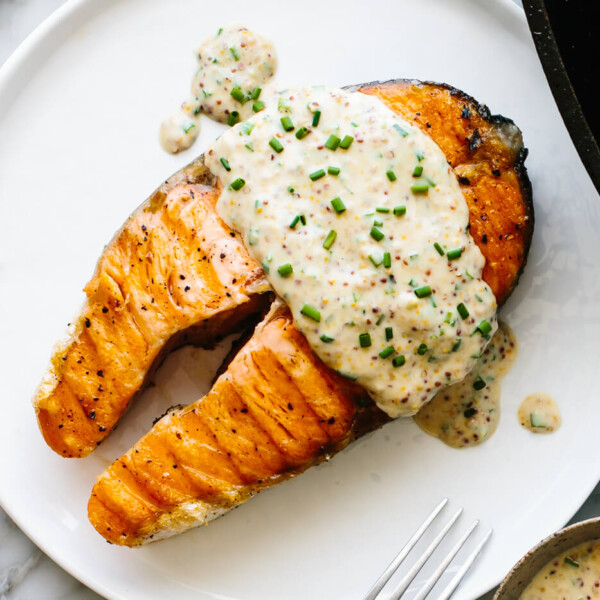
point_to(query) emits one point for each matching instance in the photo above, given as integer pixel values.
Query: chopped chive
(338, 205)
(382, 209)
(378, 223)
(333, 170)
(391, 175)
(439, 249)
(247, 127)
(389, 333)
(233, 118)
(423, 291)
(422, 349)
(234, 53)
(249, 147)
(255, 93)
(387, 260)
(462, 311)
(484, 327)
(479, 383)
(303, 219)
(276, 145)
(346, 142)
(316, 118)
(317, 174)
(364, 340)
(294, 221)
(225, 164)
(470, 412)
(570, 561)
(420, 188)
(258, 106)
(189, 126)
(285, 270)
(326, 339)
(386, 352)
(456, 344)
(329, 239)
(333, 141)
(291, 190)
(401, 131)
(376, 234)
(419, 156)
(537, 420)
(220, 31)
(302, 132)
(454, 254)
(237, 94)
(312, 313)
(479, 298)
(400, 211)
(399, 360)
(287, 123)
(376, 261)
(237, 184)
(266, 267)
(253, 237)
(412, 283)
(417, 171)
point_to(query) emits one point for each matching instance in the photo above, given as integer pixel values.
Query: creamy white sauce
(362, 302)
(574, 575)
(539, 413)
(467, 413)
(232, 67)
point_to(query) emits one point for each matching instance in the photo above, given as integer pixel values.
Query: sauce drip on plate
(232, 67)
(539, 413)
(467, 413)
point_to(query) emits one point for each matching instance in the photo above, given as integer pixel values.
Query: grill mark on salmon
(174, 274)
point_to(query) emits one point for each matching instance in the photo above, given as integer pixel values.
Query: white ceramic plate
(80, 103)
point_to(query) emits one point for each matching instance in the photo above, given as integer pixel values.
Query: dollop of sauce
(539, 413)
(232, 67)
(467, 413)
(362, 229)
(575, 574)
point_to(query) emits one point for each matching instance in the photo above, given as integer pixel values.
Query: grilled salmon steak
(174, 274)
(277, 409)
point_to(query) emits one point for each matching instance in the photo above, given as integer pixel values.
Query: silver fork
(427, 587)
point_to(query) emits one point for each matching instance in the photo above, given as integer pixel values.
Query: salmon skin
(277, 409)
(487, 154)
(174, 274)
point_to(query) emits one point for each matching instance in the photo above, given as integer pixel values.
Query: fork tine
(449, 590)
(447, 560)
(406, 580)
(391, 568)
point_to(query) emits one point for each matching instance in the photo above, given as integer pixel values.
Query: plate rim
(8, 71)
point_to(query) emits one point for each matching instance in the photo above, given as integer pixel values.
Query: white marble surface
(25, 572)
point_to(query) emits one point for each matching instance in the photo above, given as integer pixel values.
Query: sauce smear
(232, 67)
(467, 413)
(539, 413)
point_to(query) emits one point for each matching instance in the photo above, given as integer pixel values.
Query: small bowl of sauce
(564, 565)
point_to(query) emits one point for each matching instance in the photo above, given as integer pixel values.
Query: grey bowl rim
(540, 546)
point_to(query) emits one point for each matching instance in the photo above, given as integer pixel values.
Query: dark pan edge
(562, 89)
